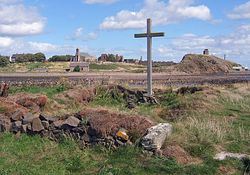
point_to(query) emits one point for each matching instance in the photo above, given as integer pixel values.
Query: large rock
(71, 122)
(226, 155)
(44, 117)
(156, 136)
(18, 115)
(28, 118)
(37, 125)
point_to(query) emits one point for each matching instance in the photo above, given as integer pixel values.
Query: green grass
(94, 66)
(108, 98)
(32, 66)
(49, 91)
(34, 155)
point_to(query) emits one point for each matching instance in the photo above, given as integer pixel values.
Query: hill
(193, 63)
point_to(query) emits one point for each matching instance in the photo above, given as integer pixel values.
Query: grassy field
(205, 123)
(62, 66)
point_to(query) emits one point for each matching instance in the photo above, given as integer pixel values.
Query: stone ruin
(89, 127)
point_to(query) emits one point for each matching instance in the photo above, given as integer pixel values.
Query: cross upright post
(149, 35)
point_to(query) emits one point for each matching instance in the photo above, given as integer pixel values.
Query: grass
(49, 91)
(29, 67)
(94, 66)
(108, 98)
(34, 155)
(216, 119)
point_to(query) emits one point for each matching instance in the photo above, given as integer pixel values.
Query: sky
(57, 27)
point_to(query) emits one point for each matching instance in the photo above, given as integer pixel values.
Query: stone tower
(78, 55)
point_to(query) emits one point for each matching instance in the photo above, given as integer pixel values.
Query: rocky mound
(198, 64)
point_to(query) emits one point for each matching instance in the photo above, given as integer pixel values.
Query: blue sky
(107, 26)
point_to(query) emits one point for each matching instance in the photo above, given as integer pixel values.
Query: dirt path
(128, 77)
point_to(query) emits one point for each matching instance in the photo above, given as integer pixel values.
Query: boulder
(44, 117)
(71, 121)
(28, 118)
(58, 124)
(226, 155)
(37, 125)
(156, 136)
(24, 128)
(18, 115)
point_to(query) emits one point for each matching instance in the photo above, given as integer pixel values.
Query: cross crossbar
(144, 35)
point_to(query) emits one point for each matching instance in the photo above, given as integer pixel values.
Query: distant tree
(39, 57)
(60, 58)
(77, 69)
(4, 61)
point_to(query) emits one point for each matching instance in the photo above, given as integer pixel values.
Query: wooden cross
(149, 35)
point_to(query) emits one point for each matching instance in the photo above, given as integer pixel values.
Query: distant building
(240, 68)
(14, 57)
(206, 52)
(82, 60)
(83, 57)
(110, 58)
(134, 61)
(84, 66)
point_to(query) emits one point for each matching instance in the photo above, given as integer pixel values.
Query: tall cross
(149, 35)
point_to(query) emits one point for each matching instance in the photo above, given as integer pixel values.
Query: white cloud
(17, 19)
(99, 1)
(161, 13)
(42, 47)
(5, 42)
(79, 34)
(241, 12)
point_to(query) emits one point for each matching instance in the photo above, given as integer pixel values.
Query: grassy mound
(192, 63)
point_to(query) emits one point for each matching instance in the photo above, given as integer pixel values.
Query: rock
(226, 155)
(45, 124)
(28, 118)
(58, 124)
(37, 125)
(24, 128)
(18, 115)
(71, 121)
(5, 123)
(43, 117)
(156, 136)
(16, 126)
